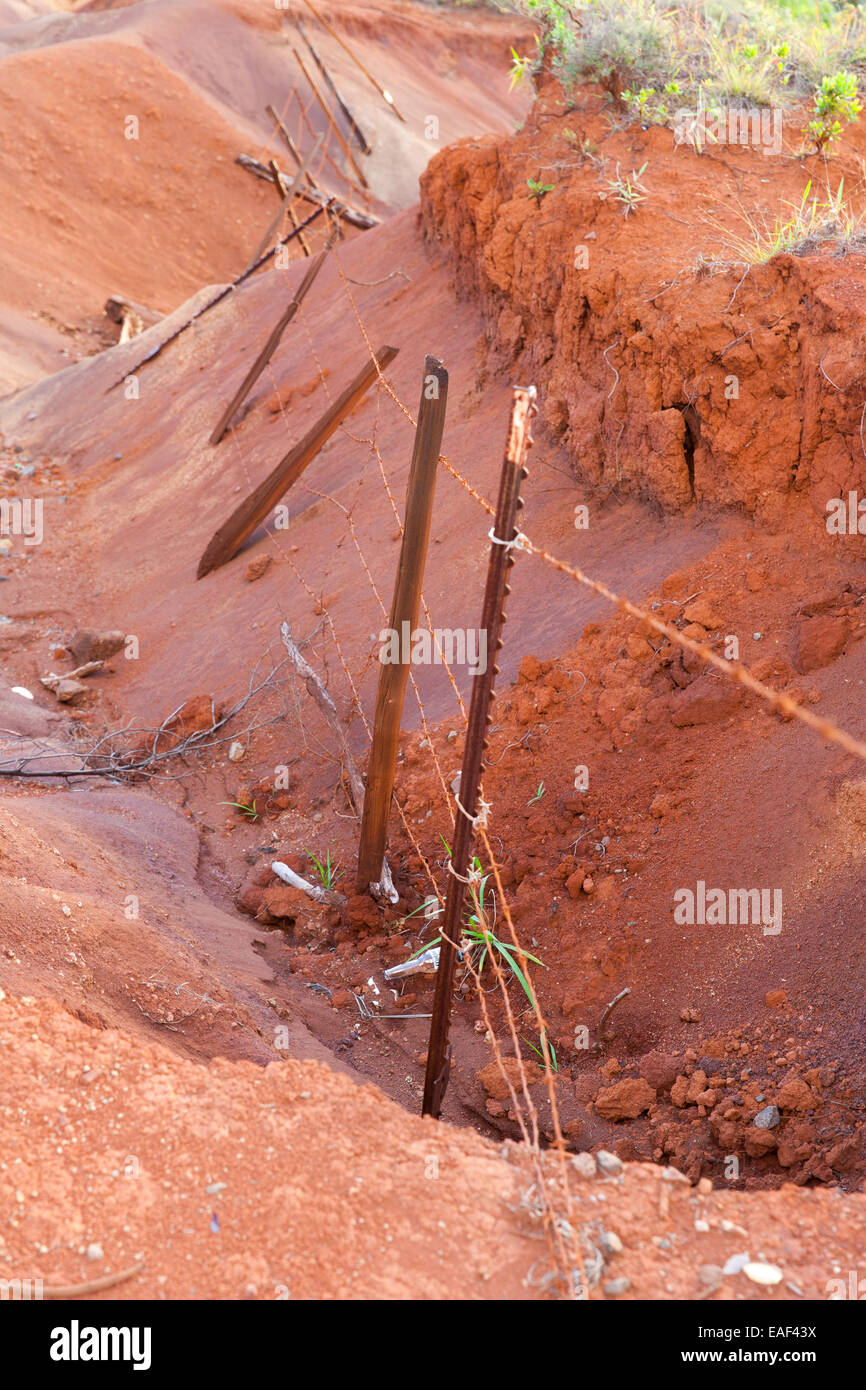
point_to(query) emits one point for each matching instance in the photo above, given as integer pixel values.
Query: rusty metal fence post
(502, 537)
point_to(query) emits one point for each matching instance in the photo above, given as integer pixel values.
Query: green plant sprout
(629, 191)
(545, 1059)
(250, 811)
(479, 941)
(327, 872)
(538, 795)
(539, 190)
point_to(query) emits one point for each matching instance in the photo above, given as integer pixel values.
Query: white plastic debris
(763, 1274)
(425, 964)
(20, 690)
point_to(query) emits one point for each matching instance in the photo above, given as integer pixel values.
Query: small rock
(585, 1165)
(95, 1252)
(735, 1264)
(67, 690)
(609, 1163)
(626, 1100)
(495, 1084)
(89, 645)
(257, 567)
(214, 1188)
(236, 752)
(659, 1069)
(611, 1243)
(615, 1287)
(763, 1274)
(775, 998)
(767, 1118)
(820, 640)
(711, 1275)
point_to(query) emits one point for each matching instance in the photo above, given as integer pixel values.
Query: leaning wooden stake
(272, 343)
(404, 617)
(290, 144)
(502, 536)
(235, 284)
(253, 510)
(283, 188)
(286, 203)
(334, 128)
(386, 96)
(329, 81)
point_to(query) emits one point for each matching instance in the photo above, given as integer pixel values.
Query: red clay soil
(131, 906)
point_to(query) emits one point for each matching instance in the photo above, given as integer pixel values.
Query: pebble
(710, 1275)
(213, 1189)
(585, 1165)
(609, 1163)
(236, 752)
(616, 1286)
(736, 1263)
(95, 1252)
(767, 1118)
(763, 1274)
(610, 1243)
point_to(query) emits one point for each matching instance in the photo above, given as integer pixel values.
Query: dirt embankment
(664, 376)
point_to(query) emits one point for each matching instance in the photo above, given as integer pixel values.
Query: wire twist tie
(520, 542)
(481, 817)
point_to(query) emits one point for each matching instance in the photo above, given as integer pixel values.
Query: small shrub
(836, 105)
(539, 190)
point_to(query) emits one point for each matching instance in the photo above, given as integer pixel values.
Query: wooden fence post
(404, 616)
(252, 511)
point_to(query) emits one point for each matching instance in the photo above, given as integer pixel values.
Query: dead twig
(385, 887)
(108, 1281)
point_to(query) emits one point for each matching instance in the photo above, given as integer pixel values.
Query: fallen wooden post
(272, 343)
(386, 96)
(287, 201)
(405, 607)
(235, 284)
(313, 195)
(335, 129)
(349, 118)
(253, 510)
